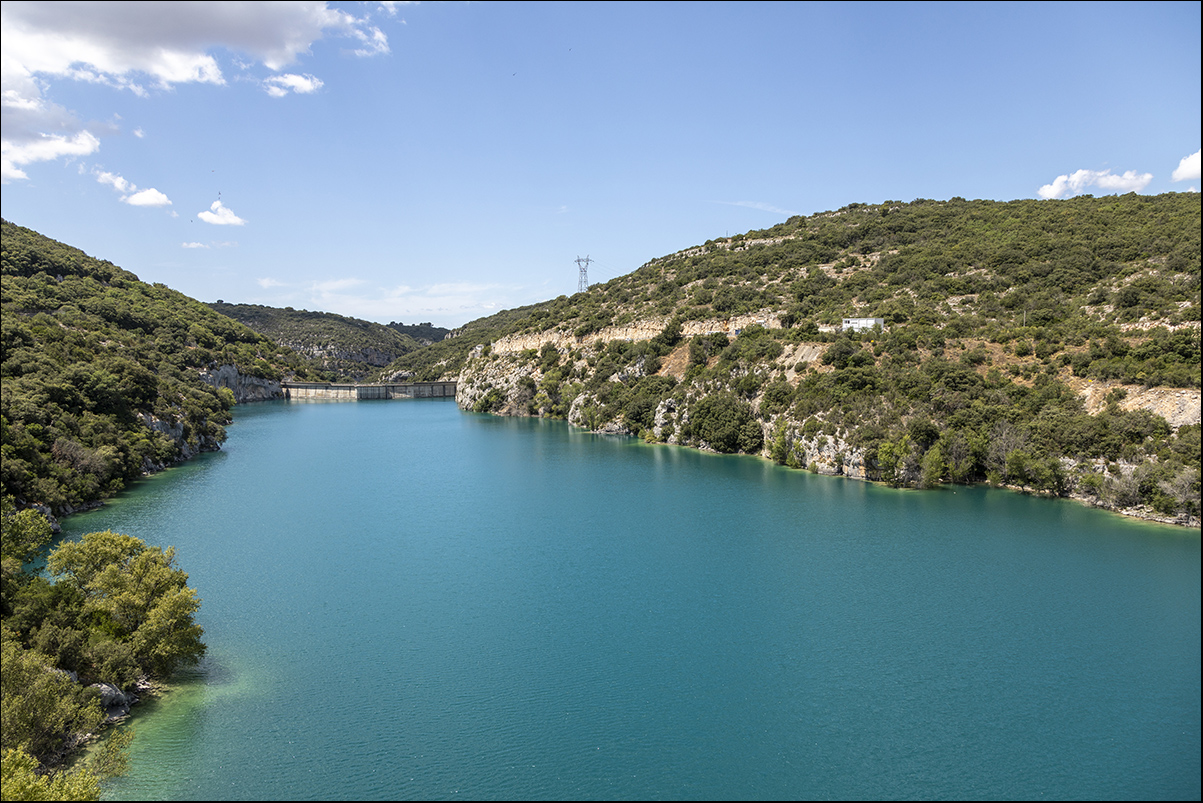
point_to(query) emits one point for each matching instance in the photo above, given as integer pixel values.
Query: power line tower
(582, 284)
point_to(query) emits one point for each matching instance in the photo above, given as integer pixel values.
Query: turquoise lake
(405, 601)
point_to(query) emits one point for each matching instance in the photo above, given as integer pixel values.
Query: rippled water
(405, 601)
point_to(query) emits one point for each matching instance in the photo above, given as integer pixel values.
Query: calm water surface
(405, 601)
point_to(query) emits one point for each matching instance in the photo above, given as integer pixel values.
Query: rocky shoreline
(509, 381)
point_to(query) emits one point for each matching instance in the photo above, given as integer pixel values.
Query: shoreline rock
(244, 387)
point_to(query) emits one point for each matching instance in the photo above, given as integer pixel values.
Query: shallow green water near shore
(405, 601)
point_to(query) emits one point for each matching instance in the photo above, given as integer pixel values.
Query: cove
(405, 601)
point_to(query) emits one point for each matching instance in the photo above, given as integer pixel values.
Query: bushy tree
(726, 423)
(42, 707)
(135, 594)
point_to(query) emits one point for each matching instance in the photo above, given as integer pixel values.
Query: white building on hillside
(857, 324)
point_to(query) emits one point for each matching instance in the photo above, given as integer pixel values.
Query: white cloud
(1187, 169)
(115, 181)
(1074, 183)
(390, 6)
(193, 245)
(279, 85)
(41, 148)
(268, 283)
(148, 197)
(149, 44)
(139, 133)
(219, 215)
(130, 192)
(373, 41)
(166, 41)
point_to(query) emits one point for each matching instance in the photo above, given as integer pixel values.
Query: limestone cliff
(595, 383)
(245, 388)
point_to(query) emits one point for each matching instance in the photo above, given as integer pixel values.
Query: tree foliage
(98, 368)
(121, 611)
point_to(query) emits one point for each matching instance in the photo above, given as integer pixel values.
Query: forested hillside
(103, 374)
(346, 349)
(424, 333)
(1020, 344)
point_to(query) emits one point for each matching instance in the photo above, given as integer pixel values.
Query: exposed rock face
(636, 330)
(502, 374)
(245, 388)
(330, 353)
(510, 380)
(1178, 406)
(114, 702)
(175, 431)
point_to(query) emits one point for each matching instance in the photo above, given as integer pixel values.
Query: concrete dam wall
(329, 391)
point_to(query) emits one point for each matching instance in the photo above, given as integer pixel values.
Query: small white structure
(857, 324)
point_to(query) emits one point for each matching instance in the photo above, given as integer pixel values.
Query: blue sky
(443, 161)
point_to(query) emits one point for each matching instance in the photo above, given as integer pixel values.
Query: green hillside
(102, 373)
(424, 333)
(347, 349)
(1016, 339)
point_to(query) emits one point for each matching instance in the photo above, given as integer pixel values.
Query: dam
(330, 391)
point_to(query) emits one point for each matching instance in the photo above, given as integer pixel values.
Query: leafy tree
(21, 781)
(23, 533)
(891, 459)
(726, 423)
(934, 467)
(43, 709)
(135, 594)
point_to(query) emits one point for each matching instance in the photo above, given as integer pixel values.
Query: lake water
(402, 600)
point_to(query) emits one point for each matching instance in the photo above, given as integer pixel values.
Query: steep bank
(680, 410)
(1050, 346)
(107, 377)
(245, 388)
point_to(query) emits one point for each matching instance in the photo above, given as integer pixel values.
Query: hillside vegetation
(998, 320)
(424, 333)
(103, 375)
(346, 349)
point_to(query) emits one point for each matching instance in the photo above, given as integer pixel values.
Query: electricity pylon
(582, 284)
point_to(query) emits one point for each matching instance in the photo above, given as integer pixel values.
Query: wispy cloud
(758, 205)
(358, 298)
(1187, 169)
(113, 180)
(372, 40)
(220, 215)
(1081, 180)
(193, 245)
(335, 286)
(279, 86)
